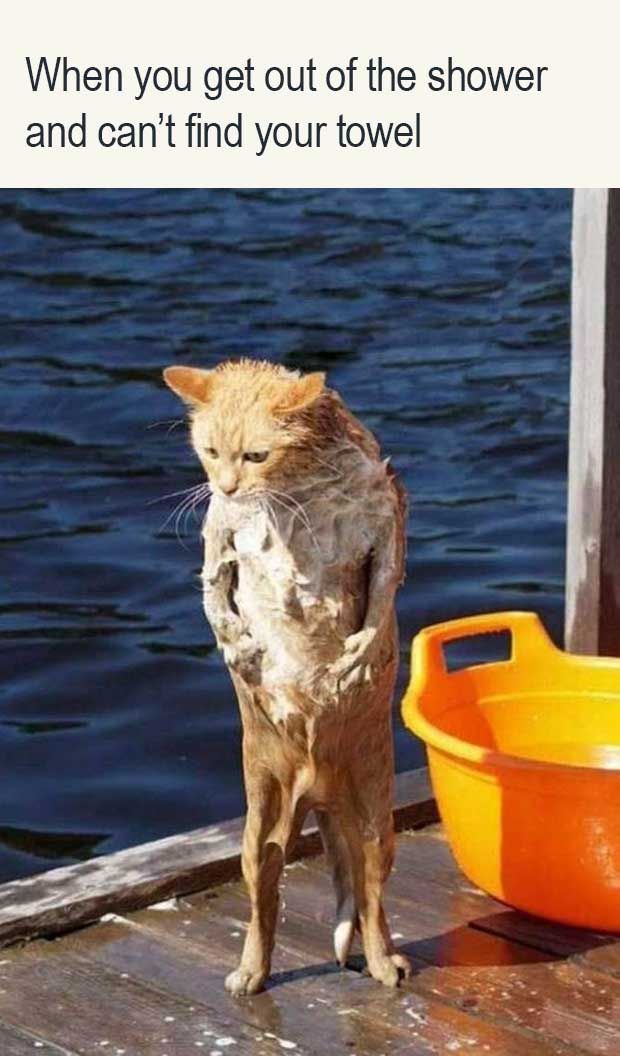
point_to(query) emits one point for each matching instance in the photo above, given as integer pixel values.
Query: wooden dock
(126, 955)
(149, 982)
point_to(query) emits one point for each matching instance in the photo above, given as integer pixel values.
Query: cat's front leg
(219, 576)
(241, 651)
(262, 865)
(273, 823)
(354, 666)
(216, 600)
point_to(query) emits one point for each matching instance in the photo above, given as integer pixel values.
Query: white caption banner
(452, 93)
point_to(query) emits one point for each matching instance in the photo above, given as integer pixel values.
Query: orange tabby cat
(304, 545)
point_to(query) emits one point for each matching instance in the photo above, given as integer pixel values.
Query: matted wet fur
(304, 550)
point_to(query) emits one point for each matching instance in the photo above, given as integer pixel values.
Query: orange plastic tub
(524, 756)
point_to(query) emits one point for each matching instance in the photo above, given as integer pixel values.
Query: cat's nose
(229, 487)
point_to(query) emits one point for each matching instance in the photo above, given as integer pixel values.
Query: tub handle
(529, 641)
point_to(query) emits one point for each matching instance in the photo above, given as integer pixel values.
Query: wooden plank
(304, 934)
(119, 981)
(61, 899)
(605, 958)
(84, 1007)
(56, 901)
(425, 877)
(593, 541)
(516, 987)
(555, 1000)
(369, 1017)
(324, 1014)
(425, 893)
(16, 1043)
(171, 957)
(417, 909)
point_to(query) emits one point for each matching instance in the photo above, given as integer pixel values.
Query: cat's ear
(191, 384)
(300, 394)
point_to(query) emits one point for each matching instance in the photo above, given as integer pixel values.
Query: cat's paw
(384, 970)
(403, 964)
(243, 982)
(353, 667)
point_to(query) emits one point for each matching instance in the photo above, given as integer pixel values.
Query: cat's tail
(339, 858)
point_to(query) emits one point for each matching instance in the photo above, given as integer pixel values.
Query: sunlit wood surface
(487, 980)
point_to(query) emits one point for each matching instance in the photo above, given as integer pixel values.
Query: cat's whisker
(273, 512)
(188, 507)
(180, 505)
(178, 509)
(170, 422)
(302, 515)
(297, 511)
(167, 520)
(178, 523)
(191, 496)
(297, 505)
(173, 517)
(174, 494)
(281, 500)
(205, 496)
(270, 498)
(181, 520)
(286, 495)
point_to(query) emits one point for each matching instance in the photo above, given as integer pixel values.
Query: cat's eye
(210, 452)
(255, 456)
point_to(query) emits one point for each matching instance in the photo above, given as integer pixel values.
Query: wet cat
(304, 551)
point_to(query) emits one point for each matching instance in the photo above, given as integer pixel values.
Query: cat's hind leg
(261, 861)
(368, 855)
(365, 811)
(339, 860)
(272, 825)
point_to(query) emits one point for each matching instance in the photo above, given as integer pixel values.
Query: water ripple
(442, 316)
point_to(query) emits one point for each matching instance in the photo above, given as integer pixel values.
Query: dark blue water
(441, 316)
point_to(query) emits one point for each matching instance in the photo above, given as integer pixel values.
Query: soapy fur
(304, 550)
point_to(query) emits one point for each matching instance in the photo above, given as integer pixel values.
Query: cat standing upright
(304, 550)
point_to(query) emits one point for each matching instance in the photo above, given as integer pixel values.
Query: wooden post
(593, 538)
